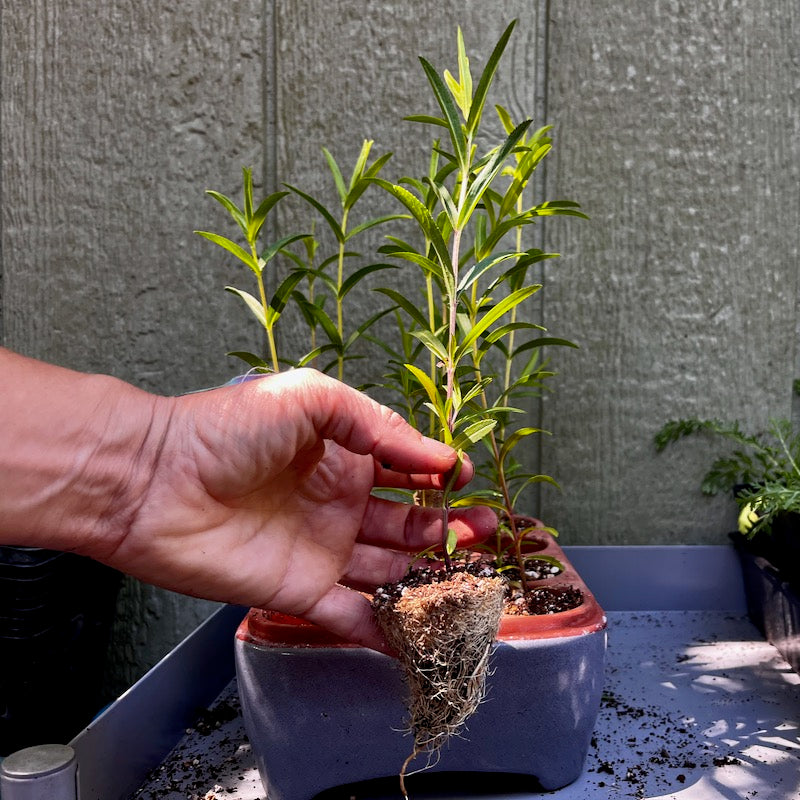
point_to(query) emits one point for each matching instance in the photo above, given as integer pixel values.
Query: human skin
(258, 494)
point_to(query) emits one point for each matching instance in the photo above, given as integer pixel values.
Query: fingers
(391, 479)
(363, 426)
(348, 614)
(405, 527)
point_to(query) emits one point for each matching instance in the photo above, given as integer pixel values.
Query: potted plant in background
(762, 473)
(457, 365)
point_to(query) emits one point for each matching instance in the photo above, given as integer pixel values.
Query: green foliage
(250, 220)
(464, 359)
(330, 337)
(481, 355)
(762, 468)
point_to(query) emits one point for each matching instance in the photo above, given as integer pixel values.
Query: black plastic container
(773, 602)
(56, 613)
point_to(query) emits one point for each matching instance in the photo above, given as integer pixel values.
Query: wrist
(76, 455)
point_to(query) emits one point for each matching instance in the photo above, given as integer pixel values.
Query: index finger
(365, 427)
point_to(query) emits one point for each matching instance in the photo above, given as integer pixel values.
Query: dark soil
(536, 600)
(544, 600)
(428, 574)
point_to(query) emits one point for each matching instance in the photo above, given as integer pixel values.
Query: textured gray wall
(676, 128)
(679, 131)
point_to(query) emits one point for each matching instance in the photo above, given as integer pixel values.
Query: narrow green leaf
(337, 175)
(433, 343)
(430, 389)
(464, 74)
(277, 246)
(490, 317)
(376, 166)
(356, 277)
(407, 306)
(545, 341)
(327, 325)
(424, 219)
(426, 119)
(505, 119)
(326, 215)
(230, 207)
(371, 223)
(512, 441)
(247, 180)
(260, 214)
(251, 359)
(233, 248)
(365, 326)
(528, 482)
(303, 304)
(476, 270)
(443, 195)
(474, 499)
(450, 111)
(473, 433)
(490, 170)
(361, 163)
(281, 296)
(487, 76)
(360, 184)
(455, 89)
(476, 389)
(452, 541)
(428, 265)
(252, 303)
(510, 327)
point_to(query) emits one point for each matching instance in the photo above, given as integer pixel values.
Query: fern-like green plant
(761, 469)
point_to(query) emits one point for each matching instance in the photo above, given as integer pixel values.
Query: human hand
(260, 494)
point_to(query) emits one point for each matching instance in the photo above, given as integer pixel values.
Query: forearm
(76, 453)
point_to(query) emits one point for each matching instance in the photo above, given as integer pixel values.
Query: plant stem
(451, 481)
(431, 356)
(451, 331)
(273, 350)
(339, 304)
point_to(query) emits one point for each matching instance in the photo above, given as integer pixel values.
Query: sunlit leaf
(445, 100)
(231, 207)
(490, 317)
(252, 303)
(487, 76)
(337, 174)
(433, 343)
(472, 434)
(233, 248)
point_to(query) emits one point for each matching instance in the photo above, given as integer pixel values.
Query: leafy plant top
(470, 212)
(762, 469)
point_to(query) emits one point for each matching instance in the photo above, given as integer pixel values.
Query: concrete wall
(676, 127)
